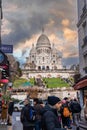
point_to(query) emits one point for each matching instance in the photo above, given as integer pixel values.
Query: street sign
(7, 48)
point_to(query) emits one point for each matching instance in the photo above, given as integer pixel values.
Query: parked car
(18, 106)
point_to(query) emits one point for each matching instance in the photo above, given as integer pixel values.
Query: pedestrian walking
(85, 110)
(38, 107)
(49, 114)
(66, 114)
(4, 113)
(10, 111)
(28, 123)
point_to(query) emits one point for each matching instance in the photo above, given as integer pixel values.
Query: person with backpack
(27, 116)
(66, 114)
(49, 114)
(75, 109)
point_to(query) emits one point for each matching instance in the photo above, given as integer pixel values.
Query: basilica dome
(43, 41)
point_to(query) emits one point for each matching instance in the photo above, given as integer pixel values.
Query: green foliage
(49, 82)
(32, 81)
(55, 82)
(20, 81)
(6, 97)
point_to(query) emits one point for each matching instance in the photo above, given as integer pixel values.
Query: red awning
(80, 84)
(4, 81)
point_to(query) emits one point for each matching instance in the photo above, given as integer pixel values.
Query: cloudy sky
(23, 21)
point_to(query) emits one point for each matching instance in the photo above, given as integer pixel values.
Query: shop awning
(81, 84)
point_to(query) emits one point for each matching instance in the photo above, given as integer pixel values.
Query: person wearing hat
(49, 114)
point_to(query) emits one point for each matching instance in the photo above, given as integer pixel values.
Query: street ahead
(3, 127)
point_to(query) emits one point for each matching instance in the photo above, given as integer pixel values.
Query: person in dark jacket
(10, 111)
(49, 114)
(38, 107)
(27, 125)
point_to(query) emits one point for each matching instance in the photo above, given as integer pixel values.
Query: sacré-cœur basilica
(44, 60)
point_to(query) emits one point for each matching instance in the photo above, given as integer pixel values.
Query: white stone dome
(43, 41)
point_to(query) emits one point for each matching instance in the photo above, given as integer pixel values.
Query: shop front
(81, 86)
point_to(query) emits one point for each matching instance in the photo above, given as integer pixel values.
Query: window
(32, 61)
(43, 67)
(47, 67)
(39, 67)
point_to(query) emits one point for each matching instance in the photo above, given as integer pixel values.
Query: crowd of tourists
(55, 114)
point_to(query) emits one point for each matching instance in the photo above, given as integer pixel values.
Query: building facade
(81, 84)
(0, 18)
(45, 60)
(82, 39)
(82, 36)
(43, 56)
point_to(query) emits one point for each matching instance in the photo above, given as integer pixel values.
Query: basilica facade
(44, 60)
(43, 56)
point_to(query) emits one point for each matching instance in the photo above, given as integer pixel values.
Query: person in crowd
(10, 111)
(49, 114)
(38, 107)
(25, 119)
(66, 114)
(85, 110)
(4, 113)
(75, 109)
(0, 108)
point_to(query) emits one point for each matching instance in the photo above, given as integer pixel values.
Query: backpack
(66, 112)
(75, 107)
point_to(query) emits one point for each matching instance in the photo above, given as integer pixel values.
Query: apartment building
(81, 84)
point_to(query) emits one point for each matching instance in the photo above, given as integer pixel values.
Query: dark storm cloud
(29, 17)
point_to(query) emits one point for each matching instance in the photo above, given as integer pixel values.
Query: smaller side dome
(33, 49)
